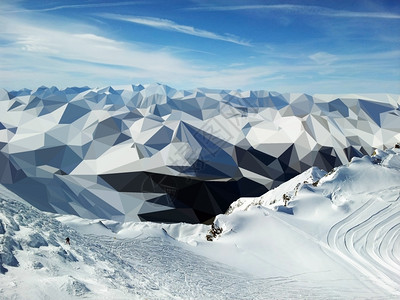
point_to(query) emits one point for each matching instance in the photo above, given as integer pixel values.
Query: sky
(304, 46)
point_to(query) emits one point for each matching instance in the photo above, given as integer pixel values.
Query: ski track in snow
(172, 268)
(162, 268)
(131, 268)
(360, 237)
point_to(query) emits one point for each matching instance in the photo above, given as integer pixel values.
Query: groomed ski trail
(359, 238)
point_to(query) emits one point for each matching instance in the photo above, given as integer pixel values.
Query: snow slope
(337, 238)
(351, 213)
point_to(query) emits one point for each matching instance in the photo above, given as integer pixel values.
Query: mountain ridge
(68, 151)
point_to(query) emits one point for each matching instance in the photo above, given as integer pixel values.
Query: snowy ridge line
(356, 223)
(335, 254)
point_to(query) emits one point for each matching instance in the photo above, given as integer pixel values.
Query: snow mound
(352, 213)
(277, 196)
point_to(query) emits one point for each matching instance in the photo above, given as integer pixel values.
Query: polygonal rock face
(155, 153)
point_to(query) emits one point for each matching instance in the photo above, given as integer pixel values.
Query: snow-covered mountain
(321, 235)
(151, 152)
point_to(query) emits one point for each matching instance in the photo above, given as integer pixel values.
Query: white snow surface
(338, 237)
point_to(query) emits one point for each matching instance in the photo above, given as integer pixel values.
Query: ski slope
(369, 240)
(337, 238)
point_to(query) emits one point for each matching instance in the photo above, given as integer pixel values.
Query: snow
(337, 237)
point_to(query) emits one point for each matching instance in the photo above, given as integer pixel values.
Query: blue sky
(286, 46)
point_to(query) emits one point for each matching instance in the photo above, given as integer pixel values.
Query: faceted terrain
(159, 154)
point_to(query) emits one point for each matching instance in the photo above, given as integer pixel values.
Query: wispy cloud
(28, 45)
(304, 9)
(169, 25)
(323, 58)
(73, 6)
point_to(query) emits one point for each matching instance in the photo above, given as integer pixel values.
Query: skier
(67, 241)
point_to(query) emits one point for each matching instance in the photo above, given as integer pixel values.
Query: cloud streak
(168, 25)
(35, 47)
(304, 9)
(74, 6)
(323, 58)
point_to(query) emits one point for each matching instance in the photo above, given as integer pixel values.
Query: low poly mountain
(159, 154)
